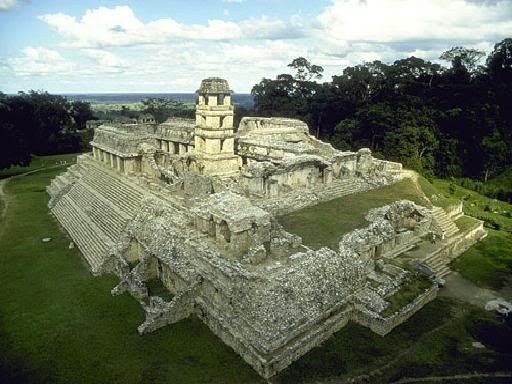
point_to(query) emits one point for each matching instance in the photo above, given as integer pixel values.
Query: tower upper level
(214, 92)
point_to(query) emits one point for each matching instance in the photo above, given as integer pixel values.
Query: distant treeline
(242, 99)
(38, 123)
(447, 121)
(41, 124)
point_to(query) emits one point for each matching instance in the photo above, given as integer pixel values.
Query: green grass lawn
(430, 190)
(466, 223)
(489, 263)
(39, 162)
(326, 223)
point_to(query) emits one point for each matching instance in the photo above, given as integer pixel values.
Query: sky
(142, 46)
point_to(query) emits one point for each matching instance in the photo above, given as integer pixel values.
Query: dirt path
(3, 198)
(461, 288)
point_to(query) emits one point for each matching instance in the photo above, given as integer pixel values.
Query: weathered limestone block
(160, 313)
(133, 283)
(197, 185)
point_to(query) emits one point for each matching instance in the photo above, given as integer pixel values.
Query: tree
(466, 57)
(13, 143)
(81, 112)
(162, 108)
(414, 144)
(305, 70)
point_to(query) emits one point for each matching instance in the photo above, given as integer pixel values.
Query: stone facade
(195, 207)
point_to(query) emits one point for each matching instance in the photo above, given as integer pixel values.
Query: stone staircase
(444, 222)
(96, 209)
(342, 188)
(87, 236)
(438, 264)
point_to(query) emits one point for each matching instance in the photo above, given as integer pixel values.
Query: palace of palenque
(196, 207)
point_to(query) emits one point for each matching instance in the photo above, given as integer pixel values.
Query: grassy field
(39, 162)
(326, 223)
(58, 324)
(489, 263)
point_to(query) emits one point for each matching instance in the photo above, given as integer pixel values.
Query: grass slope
(326, 223)
(39, 162)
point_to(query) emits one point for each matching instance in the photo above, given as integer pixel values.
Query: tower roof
(214, 85)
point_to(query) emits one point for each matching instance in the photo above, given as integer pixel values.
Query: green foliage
(305, 70)
(468, 58)
(451, 122)
(39, 123)
(81, 112)
(162, 108)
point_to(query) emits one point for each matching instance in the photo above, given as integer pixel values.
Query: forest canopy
(453, 120)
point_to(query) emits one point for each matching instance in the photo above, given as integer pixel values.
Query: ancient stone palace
(195, 208)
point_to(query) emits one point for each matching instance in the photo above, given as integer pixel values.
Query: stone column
(182, 150)
(112, 160)
(172, 147)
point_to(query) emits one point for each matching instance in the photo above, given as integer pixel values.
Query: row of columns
(114, 161)
(174, 148)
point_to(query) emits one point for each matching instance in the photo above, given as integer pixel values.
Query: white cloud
(384, 21)
(114, 51)
(106, 61)
(40, 61)
(5, 5)
(118, 26)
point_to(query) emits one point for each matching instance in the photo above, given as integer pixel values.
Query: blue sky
(169, 46)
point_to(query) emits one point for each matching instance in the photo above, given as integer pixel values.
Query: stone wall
(384, 325)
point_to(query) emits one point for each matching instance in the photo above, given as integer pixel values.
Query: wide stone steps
(124, 196)
(339, 189)
(444, 221)
(96, 209)
(437, 263)
(102, 212)
(85, 234)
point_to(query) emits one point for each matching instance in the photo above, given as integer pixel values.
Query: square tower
(214, 137)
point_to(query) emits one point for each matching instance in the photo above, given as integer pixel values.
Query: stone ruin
(194, 206)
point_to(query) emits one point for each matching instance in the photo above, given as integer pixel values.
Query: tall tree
(466, 57)
(81, 112)
(305, 70)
